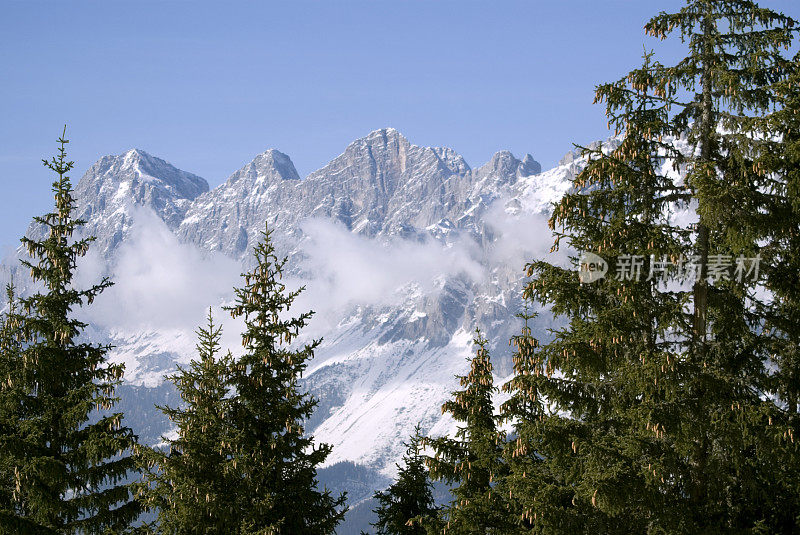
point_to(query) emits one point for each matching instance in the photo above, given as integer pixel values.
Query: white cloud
(162, 283)
(346, 269)
(521, 236)
(158, 281)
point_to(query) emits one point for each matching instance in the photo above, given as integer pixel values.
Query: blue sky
(208, 85)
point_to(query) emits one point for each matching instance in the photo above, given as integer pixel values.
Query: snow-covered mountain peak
(269, 167)
(382, 136)
(276, 162)
(114, 186)
(382, 152)
(530, 166)
(506, 164)
(137, 167)
(392, 155)
(132, 156)
(379, 142)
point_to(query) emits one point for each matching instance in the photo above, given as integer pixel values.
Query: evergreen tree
(407, 505)
(650, 410)
(472, 461)
(530, 476)
(275, 458)
(191, 485)
(68, 455)
(777, 204)
(10, 396)
(781, 157)
(585, 458)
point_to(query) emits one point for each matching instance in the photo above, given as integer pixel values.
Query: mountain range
(404, 251)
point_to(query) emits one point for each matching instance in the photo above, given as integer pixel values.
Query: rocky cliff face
(229, 218)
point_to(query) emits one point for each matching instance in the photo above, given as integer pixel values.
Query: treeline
(666, 403)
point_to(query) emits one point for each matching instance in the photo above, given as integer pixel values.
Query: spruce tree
(777, 202)
(277, 460)
(68, 455)
(472, 461)
(192, 483)
(650, 410)
(529, 475)
(10, 416)
(582, 459)
(407, 506)
(781, 159)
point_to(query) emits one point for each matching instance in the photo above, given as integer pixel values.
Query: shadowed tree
(472, 461)
(191, 484)
(275, 458)
(408, 503)
(775, 224)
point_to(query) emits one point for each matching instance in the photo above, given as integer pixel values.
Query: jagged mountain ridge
(380, 185)
(114, 184)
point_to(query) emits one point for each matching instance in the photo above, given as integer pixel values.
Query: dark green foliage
(472, 461)
(407, 505)
(274, 457)
(652, 411)
(777, 166)
(191, 484)
(64, 452)
(10, 395)
(780, 226)
(241, 462)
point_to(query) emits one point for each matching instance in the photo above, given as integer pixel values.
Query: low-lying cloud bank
(161, 283)
(346, 269)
